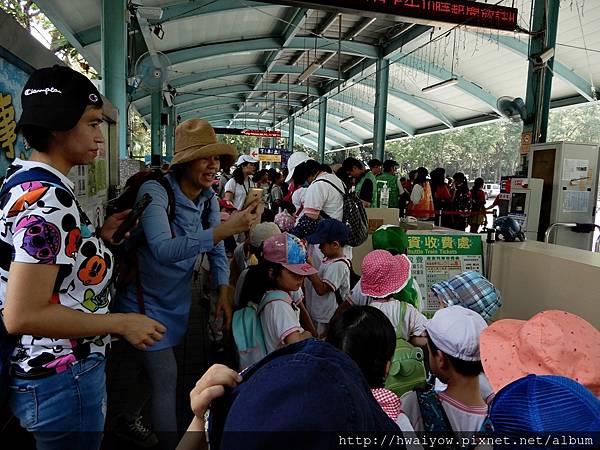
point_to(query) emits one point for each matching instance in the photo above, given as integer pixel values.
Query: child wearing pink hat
(550, 343)
(453, 344)
(384, 275)
(278, 276)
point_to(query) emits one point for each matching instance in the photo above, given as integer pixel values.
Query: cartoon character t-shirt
(42, 223)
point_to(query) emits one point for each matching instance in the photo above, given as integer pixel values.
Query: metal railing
(575, 227)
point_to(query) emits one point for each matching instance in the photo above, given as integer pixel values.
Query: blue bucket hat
(539, 405)
(470, 290)
(301, 396)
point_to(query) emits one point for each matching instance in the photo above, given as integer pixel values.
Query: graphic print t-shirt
(41, 223)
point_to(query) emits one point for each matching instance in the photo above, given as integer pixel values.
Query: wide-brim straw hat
(196, 138)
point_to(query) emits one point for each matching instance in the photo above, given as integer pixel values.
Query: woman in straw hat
(167, 261)
(56, 269)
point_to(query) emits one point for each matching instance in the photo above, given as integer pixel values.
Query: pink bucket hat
(289, 251)
(550, 343)
(384, 274)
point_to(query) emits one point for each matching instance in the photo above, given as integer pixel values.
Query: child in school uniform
(473, 291)
(277, 276)
(326, 289)
(258, 234)
(366, 335)
(395, 240)
(453, 344)
(384, 275)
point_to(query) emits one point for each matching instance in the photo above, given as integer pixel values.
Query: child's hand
(210, 386)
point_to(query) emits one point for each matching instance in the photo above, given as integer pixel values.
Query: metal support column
(381, 98)
(322, 127)
(292, 130)
(114, 63)
(155, 129)
(171, 131)
(541, 64)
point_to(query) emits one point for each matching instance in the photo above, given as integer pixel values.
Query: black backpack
(126, 199)
(126, 260)
(354, 215)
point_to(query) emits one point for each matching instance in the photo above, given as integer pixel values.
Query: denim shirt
(166, 264)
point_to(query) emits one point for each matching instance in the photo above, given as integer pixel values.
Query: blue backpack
(435, 420)
(247, 329)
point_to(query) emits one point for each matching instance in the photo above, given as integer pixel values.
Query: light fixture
(442, 84)
(347, 119)
(308, 72)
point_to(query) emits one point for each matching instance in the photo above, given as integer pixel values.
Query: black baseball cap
(56, 97)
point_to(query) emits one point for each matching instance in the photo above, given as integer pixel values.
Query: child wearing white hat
(453, 344)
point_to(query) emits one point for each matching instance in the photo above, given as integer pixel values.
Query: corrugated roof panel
(85, 15)
(410, 114)
(214, 28)
(573, 33)
(235, 63)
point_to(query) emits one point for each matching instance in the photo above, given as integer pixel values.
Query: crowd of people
(324, 342)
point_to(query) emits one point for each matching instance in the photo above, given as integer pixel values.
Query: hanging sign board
(247, 132)
(269, 154)
(466, 12)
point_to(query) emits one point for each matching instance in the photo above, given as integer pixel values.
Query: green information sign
(437, 256)
(435, 244)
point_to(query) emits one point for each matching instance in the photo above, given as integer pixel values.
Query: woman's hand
(140, 330)
(239, 222)
(111, 224)
(224, 306)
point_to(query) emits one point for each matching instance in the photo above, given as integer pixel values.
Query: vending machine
(570, 188)
(524, 204)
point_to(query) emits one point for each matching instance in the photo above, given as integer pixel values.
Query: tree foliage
(489, 151)
(24, 12)
(29, 15)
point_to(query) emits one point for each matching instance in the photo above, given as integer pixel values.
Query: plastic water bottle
(384, 198)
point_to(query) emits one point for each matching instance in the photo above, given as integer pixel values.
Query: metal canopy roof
(242, 63)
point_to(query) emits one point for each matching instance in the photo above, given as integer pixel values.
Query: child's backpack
(407, 371)
(247, 329)
(354, 216)
(435, 419)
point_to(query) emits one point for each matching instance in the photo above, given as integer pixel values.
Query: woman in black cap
(55, 269)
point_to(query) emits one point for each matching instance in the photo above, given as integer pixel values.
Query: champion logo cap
(56, 97)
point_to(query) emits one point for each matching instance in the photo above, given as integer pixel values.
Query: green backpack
(407, 371)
